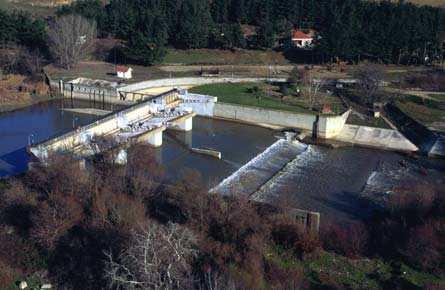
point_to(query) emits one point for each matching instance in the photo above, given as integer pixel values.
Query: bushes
(290, 235)
(429, 81)
(348, 240)
(64, 220)
(411, 228)
(425, 246)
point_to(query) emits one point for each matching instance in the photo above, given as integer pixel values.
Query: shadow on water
(14, 163)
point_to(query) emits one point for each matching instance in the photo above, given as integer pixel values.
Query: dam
(253, 162)
(142, 122)
(315, 178)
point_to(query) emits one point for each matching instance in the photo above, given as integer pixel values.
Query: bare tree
(312, 87)
(369, 77)
(158, 258)
(20, 60)
(71, 38)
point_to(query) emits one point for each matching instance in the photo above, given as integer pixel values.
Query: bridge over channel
(143, 122)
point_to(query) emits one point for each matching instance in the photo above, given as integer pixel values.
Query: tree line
(348, 29)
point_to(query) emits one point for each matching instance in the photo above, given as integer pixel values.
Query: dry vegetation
(89, 229)
(436, 3)
(16, 91)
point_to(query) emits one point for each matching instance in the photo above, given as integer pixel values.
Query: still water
(320, 179)
(237, 142)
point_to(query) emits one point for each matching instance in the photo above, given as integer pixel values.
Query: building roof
(121, 68)
(298, 34)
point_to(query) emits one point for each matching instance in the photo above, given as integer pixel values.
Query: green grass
(438, 97)
(240, 94)
(419, 278)
(357, 274)
(223, 57)
(369, 122)
(26, 5)
(424, 114)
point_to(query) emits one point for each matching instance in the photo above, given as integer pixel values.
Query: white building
(124, 72)
(302, 39)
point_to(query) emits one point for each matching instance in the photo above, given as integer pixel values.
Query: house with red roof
(302, 38)
(124, 72)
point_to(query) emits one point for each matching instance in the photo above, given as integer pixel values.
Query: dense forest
(348, 29)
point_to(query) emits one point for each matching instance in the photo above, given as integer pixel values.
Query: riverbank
(18, 91)
(22, 104)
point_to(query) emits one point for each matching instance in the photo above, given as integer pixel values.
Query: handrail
(106, 118)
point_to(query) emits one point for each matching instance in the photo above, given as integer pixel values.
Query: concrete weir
(252, 179)
(257, 172)
(143, 122)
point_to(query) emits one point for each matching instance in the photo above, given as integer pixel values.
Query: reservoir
(319, 179)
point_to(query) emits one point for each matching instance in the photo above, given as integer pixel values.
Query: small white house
(124, 72)
(302, 39)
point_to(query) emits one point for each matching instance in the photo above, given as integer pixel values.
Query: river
(319, 179)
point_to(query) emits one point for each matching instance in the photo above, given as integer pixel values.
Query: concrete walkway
(88, 111)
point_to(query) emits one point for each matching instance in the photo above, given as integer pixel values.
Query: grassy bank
(29, 6)
(16, 92)
(223, 57)
(429, 112)
(264, 95)
(243, 94)
(16, 105)
(354, 274)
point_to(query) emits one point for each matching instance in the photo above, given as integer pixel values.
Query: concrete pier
(143, 122)
(153, 137)
(184, 123)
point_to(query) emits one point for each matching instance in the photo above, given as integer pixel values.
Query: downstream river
(320, 179)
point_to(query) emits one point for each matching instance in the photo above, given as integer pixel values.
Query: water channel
(320, 179)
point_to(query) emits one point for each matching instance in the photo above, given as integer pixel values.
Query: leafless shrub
(60, 173)
(71, 38)
(285, 278)
(54, 218)
(8, 274)
(289, 234)
(430, 81)
(369, 77)
(143, 171)
(157, 258)
(21, 60)
(424, 247)
(350, 240)
(434, 286)
(112, 209)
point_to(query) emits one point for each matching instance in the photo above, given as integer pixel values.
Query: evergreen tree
(194, 24)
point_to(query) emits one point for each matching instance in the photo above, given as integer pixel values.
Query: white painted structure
(124, 72)
(143, 122)
(302, 39)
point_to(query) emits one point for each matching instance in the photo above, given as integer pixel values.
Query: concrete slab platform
(376, 138)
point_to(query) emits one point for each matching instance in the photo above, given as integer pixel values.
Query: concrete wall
(192, 81)
(264, 116)
(331, 126)
(200, 104)
(328, 126)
